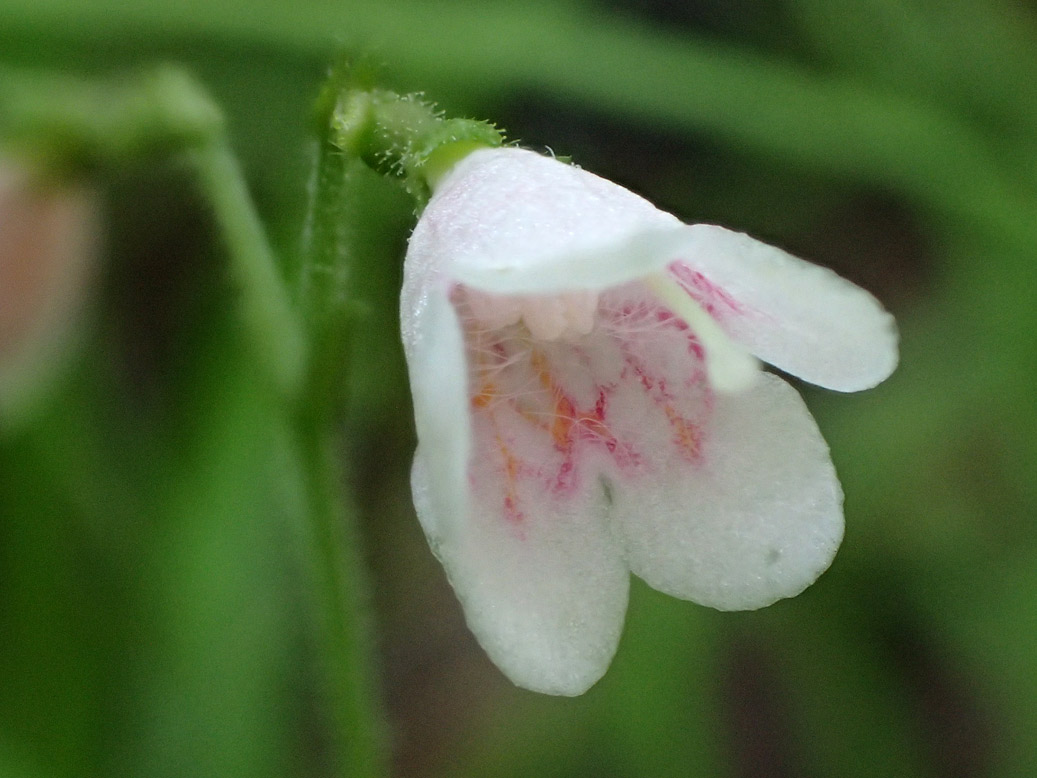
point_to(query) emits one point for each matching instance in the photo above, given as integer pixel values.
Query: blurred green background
(156, 606)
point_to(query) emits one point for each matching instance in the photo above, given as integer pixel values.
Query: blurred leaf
(977, 56)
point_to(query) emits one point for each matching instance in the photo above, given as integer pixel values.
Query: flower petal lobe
(757, 518)
(797, 316)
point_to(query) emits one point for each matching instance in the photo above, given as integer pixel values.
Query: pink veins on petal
(714, 300)
(551, 417)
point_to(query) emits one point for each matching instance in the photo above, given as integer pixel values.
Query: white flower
(588, 404)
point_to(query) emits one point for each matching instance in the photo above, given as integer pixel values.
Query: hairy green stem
(325, 292)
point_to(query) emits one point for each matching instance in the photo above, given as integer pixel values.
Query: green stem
(337, 568)
(316, 378)
(325, 279)
(273, 327)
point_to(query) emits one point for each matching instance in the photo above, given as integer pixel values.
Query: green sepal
(400, 136)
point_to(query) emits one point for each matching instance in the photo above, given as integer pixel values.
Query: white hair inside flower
(589, 404)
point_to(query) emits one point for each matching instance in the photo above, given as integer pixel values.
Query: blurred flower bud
(48, 246)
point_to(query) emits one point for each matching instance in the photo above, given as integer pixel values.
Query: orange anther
(689, 437)
(486, 395)
(564, 418)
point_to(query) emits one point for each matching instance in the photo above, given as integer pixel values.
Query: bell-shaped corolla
(589, 403)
